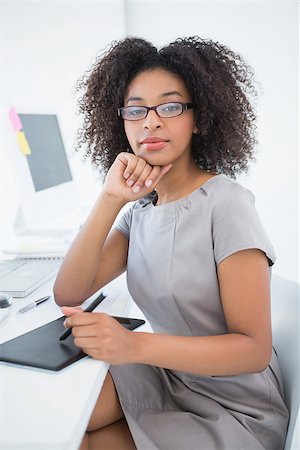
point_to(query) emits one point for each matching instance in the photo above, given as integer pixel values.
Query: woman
(169, 127)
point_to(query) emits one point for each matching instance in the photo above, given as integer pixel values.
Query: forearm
(222, 355)
(77, 272)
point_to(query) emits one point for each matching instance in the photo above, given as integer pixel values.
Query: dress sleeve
(123, 224)
(237, 226)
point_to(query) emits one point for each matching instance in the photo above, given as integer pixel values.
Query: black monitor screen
(47, 161)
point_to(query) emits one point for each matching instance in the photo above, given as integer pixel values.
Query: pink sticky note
(15, 119)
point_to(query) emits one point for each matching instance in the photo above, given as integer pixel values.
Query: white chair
(286, 324)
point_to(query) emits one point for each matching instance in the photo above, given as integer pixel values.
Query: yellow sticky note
(23, 143)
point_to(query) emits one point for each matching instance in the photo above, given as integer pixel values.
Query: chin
(155, 158)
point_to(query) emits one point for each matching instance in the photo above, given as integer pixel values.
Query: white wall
(266, 34)
(48, 45)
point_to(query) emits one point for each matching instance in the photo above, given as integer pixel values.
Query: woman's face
(167, 139)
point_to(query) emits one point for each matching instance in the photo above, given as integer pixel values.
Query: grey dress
(174, 250)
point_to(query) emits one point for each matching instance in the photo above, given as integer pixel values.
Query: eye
(135, 111)
(171, 107)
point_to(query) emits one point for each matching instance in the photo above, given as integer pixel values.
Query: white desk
(44, 410)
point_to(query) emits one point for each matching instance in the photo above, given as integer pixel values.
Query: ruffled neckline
(151, 199)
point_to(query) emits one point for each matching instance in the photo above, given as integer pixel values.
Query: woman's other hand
(100, 336)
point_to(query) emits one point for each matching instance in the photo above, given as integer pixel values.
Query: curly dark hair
(221, 87)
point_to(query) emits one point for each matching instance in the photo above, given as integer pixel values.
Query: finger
(136, 173)
(86, 343)
(93, 353)
(84, 331)
(70, 310)
(156, 175)
(140, 182)
(153, 176)
(81, 319)
(131, 162)
(163, 171)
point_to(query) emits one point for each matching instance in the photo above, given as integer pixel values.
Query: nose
(152, 121)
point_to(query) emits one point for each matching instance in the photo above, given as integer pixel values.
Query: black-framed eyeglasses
(165, 110)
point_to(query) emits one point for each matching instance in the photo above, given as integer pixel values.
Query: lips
(154, 143)
(152, 140)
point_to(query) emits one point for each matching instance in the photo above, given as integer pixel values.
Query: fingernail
(126, 175)
(148, 183)
(130, 182)
(136, 189)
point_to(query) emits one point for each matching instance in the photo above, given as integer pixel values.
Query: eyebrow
(165, 94)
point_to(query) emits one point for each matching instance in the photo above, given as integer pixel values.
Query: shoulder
(235, 222)
(223, 188)
(224, 194)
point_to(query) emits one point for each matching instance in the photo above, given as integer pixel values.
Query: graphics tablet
(42, 348)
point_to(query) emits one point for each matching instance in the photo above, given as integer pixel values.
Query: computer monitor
(47, 189)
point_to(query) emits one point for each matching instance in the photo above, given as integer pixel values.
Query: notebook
(42, 348)
(22, 276)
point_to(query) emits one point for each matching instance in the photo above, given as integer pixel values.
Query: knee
(89, 428)
(92, 426)
(107, 409)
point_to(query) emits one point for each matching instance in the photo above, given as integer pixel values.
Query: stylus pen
(90, 308)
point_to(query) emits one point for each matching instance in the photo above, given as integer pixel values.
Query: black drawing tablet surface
(42, 348)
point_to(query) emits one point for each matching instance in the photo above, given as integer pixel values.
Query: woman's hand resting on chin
(131, 177)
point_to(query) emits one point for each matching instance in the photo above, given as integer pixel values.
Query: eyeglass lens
(170, 109)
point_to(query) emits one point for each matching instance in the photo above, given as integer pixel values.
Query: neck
(180, 182)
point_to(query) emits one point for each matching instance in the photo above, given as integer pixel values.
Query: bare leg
(107, 428)
(85, 443)
(112, 437)
(107, 409)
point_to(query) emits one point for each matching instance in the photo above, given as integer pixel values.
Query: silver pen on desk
(33, 304)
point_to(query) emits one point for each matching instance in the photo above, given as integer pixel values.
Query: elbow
(265, 362)
(62, 297)
(68, 297)
(261, 366)
(266, 354)
(59, 296)
(59, 291)
(262, 358)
